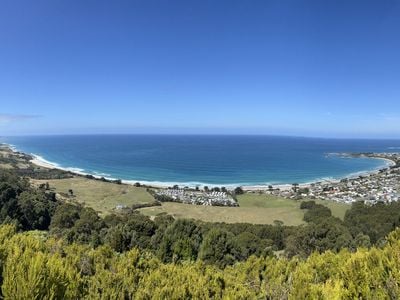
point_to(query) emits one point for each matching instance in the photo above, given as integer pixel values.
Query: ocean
(214, 160)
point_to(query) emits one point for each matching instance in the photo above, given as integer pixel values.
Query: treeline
(37, 266)
(180, 240)
(43, 174)
(26, 207)
(169, 239)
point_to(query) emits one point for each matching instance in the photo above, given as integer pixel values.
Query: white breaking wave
(45, 161)
(39, 160)
(101, 174)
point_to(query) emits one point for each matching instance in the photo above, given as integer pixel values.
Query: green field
(269, 201)
(338, 209)
(253, 215)
(101, 196)
(254, 208)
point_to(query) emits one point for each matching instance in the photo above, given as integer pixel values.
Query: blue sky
(311, 68)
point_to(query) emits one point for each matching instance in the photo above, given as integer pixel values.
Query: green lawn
(254, 208)
(269, 201)
(338, 209)
(266, 201)
(255, 215)
(102, 196)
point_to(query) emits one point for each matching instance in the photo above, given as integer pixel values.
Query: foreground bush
(35, 266)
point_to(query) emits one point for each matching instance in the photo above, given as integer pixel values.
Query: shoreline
(287, 186)
(42, 162)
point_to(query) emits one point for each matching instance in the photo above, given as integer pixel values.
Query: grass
(338, 209)
(269, 201)
(255, 215)
(254, 208)
(101, 196)
(6, 166)
(266, 201)
(9, 160)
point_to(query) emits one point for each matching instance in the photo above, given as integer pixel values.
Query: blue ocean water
(201, 159)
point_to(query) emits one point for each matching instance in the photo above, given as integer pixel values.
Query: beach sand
(39, 161)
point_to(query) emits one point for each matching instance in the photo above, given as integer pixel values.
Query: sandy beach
(41, 162)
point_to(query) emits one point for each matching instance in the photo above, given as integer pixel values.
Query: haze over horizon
(299, 68)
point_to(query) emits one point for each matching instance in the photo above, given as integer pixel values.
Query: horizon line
(205, 134)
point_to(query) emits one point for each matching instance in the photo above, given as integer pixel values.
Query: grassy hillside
(254, 208)
(101, 196)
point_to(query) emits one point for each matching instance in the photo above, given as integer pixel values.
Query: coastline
(42, 162)
(283, 187)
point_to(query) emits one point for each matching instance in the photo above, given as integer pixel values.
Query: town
(380, 186)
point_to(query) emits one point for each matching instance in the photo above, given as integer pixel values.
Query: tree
(65, 216)
(238, 191)
(247, 244)
(362, 241)
(181, 239)
(327, 234)
(316, 213)
(307, 204)
(35, 210)
(218, 248)
(376, 221)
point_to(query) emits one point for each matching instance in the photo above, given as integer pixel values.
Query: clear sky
(311, 68)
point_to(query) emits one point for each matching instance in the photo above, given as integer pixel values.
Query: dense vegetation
(35, 266)
(78, 254)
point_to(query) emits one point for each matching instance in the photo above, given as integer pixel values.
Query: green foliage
(130, 256)
(20, 204)
(248, 244)
(376, 221)
(38, 267)
(316, 212)
(133, 231)
(307, 204)
(65, 216)
(181, 241)
(49, 269)
(218, 248)
(238, 191)
(35, 210)
(328, 234)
